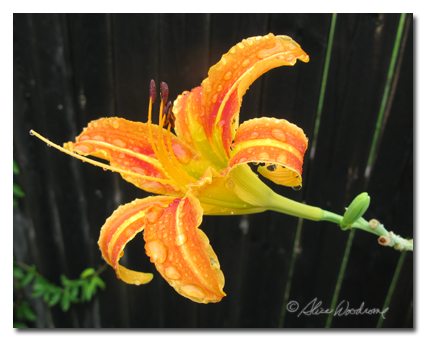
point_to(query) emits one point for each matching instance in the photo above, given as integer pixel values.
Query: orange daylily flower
(203, 169)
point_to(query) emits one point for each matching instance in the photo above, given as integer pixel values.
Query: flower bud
(355, 210)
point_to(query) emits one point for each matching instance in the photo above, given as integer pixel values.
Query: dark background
(70, 69)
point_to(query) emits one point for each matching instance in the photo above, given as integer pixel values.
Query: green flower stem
(297, 209)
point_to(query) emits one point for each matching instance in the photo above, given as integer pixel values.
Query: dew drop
(119, 143)
(228, 75)
(264, 156)
(99, 138)
(157, 251)
(297, 188)
(137, 282)
(279, 135)
(154, 215)
(254, 134)
(245, 63)
(181, 239)
(172, 273)
(282, 158)
(192, 291)
(271, 168)
(31, 132)
(49, 145)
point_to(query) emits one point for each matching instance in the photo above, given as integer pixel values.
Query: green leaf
(24, 312)
(55, 298)
(65, 301)
(64, 280)
(88, 272)
(99, 282)
(85, 294)
(28, 312)
(19, 325)
(74, 292)
(18, 273)
(17, 191)
(28, 277)
(15, 167)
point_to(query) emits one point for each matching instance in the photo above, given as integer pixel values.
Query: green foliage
(70, 291)
(17, 191)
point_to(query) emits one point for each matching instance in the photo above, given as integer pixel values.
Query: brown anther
(170, 117)
(152, 91)
(385, 241)
(164, 91)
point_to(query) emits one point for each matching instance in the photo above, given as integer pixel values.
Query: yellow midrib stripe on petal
(186, 248)
(267, 143)
(122, 227)
(243, 83)
(142, 157)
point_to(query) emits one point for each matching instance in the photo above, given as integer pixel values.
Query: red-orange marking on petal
(122, 226)
(127, 146)
(182, 254)
(278, 144)
(229, 79)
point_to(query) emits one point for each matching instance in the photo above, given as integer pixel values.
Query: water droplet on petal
(228, 75)
(264, 156)
(271, 168)
(181, 239)
(192, 291)
(31, 132)
(279, 135)
(245, 63)
(99, 138)
(154, 215)
(282, 158)
(172, 273)
(254, 134)
(157, 251)
(297, 188)
(119, 143)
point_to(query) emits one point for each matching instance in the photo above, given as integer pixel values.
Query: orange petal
(127, 146)
(230, 78)
(127, 221)
(277, 143)
(182, 254)
(189, 127)
(215, 105)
